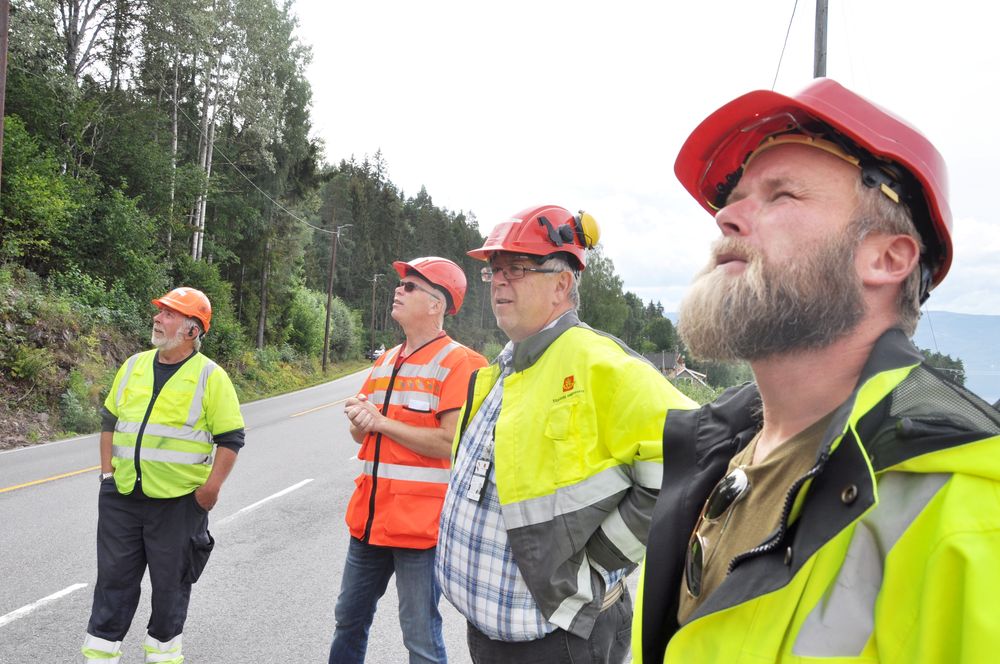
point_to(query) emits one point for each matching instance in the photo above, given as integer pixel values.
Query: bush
(225, 343)
(77, 412)
(345, 331)
(306, 321)
(491, 350)
(33, 364)
(697, 391)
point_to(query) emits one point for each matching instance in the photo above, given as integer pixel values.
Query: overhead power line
(784, 45)
(237, 168)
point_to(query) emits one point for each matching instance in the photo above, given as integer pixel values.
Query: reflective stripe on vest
(408, 375)
(164, 431)
(843, 621)
(567, 499)
(125, 378)
(197, 401)
(396, 471)
(166, 456)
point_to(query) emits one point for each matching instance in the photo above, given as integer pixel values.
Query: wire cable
(236, 168)
(784, 45)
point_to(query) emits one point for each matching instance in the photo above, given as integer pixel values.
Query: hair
(440, 290)
(878, 214)
(561, 262)
(196, 324)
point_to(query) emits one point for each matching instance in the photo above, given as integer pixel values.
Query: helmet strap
(554, 237)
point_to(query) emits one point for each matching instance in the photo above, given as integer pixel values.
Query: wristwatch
(105, 476)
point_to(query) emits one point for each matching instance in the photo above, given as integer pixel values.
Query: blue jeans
(366, 575)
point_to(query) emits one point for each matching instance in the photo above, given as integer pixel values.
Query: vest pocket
(416, 509)
(566, 455)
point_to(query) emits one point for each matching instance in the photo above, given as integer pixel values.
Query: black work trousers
(170, 536)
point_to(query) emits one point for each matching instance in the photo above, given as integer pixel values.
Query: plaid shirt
(475, 565)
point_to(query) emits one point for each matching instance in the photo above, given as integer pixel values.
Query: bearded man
(171, 430)
(847, 505)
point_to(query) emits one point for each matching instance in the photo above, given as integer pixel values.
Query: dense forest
(149, 144)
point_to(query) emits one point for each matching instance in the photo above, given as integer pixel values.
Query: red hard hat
(542, 231)
(190, 302)
(711, 160)
(440, 272)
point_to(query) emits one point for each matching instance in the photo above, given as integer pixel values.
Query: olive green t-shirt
(755, 515)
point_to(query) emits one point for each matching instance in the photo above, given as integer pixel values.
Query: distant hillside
(970, 338)
(974, 339)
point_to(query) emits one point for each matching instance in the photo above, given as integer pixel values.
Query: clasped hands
(363, 415)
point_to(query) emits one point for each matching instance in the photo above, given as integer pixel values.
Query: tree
(952, 368)
(661, 334)
(602, 303)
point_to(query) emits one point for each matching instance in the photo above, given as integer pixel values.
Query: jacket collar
(527, 352)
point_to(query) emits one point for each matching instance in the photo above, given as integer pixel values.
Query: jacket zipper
(149, 411)
(378, 438)
(775, 540)
(138, 436)
(375, 462)
(468, 408)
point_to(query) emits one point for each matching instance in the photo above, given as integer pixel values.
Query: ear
(884, 259)
(564, 282)
(435, 306)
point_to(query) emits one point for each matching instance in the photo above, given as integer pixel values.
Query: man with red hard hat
(404, 418)
(556, 463)
(171, 430)
(845, 506)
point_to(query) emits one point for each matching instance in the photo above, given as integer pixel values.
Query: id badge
(478, 480)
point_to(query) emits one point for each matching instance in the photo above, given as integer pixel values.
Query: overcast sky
(496, 107)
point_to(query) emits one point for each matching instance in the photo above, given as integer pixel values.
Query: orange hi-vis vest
(399, 492)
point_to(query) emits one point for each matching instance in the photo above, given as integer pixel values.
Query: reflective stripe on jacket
(578, 462)
(399, 493)
(176, 426)
(887, 554)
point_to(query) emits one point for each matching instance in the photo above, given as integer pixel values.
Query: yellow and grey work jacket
(888, 549)
(164, 441)
(577, 454)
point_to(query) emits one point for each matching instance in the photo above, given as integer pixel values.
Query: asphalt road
(268, 592)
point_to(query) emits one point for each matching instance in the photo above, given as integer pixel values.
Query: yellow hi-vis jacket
(164, 441)
(888, 549)
(577, 462)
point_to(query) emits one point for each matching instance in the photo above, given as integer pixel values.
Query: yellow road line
(49, 479)
(326, 405)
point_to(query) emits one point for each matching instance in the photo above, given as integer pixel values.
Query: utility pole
(4, 26)
(374, 279)
(819, 52)
(334, 239)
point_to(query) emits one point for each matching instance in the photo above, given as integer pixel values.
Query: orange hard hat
(439, 272)
(190, 302)
(891, 154)
(543, 230)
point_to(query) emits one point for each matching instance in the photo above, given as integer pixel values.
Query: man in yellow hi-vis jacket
(846, 506)
(171, 431)
(556, 461)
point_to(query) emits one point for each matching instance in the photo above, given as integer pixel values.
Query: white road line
(250, 508)
(25, 610)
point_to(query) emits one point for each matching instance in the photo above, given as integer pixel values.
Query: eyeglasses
(729, 491)
(512, 272)
(410, 286)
